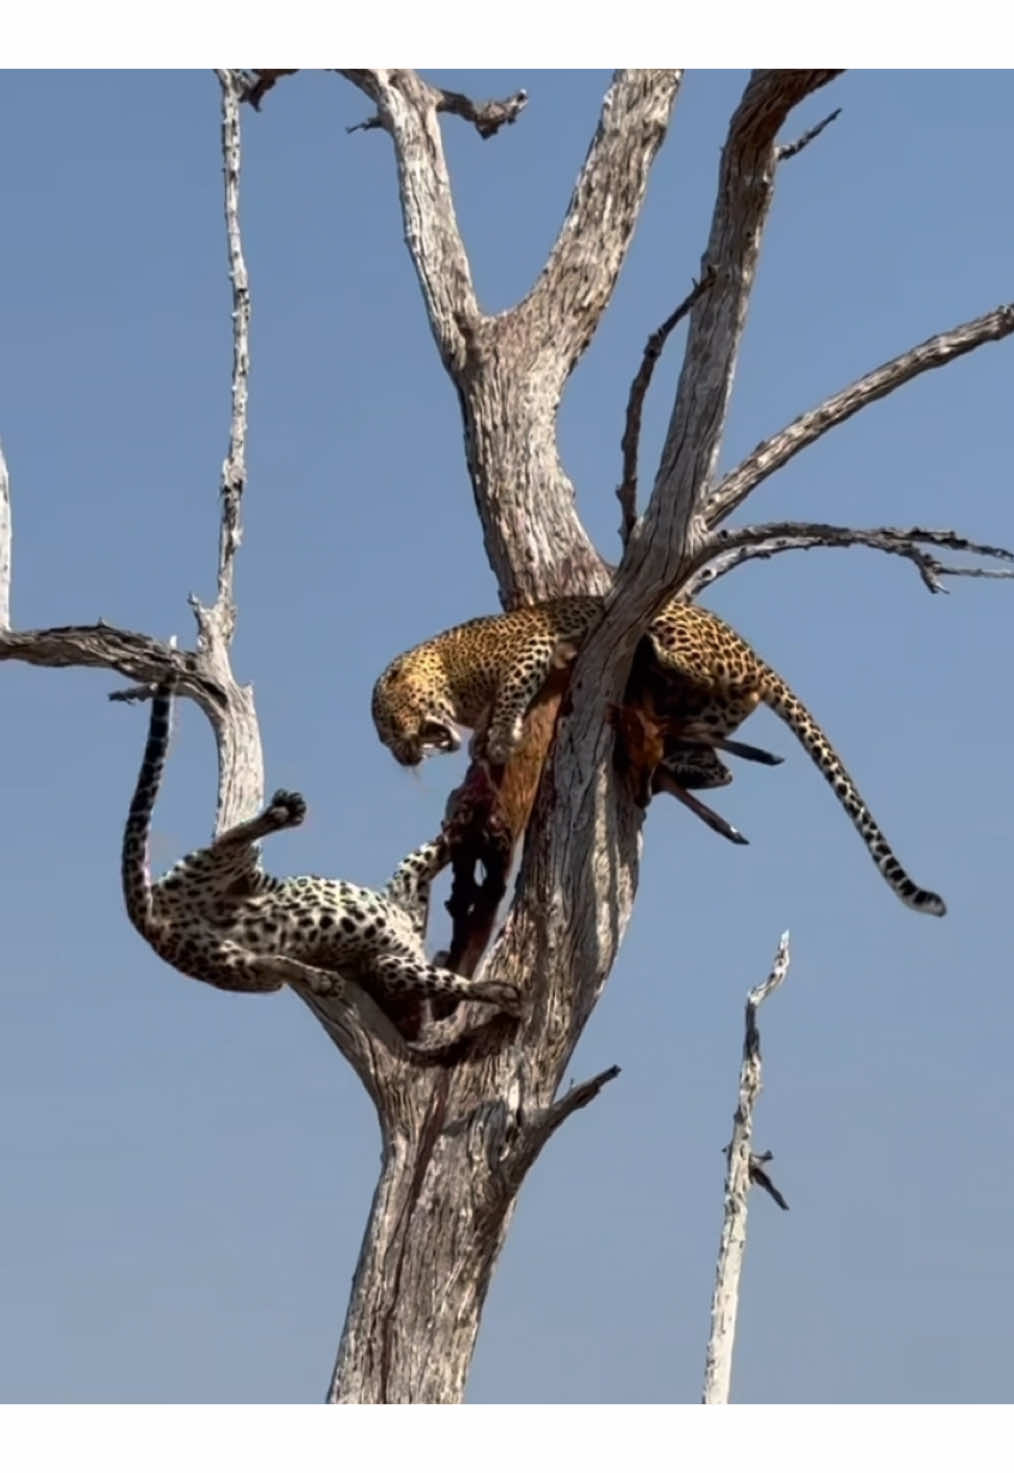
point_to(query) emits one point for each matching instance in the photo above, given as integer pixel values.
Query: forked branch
(656, 560)
(205, 673)
(742, 1167)
(725, 551)
(745, 191)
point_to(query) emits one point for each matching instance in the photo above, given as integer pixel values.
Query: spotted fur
(484, 675)
(218, 917)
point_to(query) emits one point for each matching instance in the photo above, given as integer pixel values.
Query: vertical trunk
(438, 1221)
(458, 1142)
(535, 542)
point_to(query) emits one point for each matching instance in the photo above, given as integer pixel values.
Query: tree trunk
(436, 1226)
(459, 1137)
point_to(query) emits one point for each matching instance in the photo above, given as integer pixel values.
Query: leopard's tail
(135, 860)
(786, 704)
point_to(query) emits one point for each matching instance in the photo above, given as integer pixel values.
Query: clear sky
(187, 1174)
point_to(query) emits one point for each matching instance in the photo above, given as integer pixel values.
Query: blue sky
(187, 1174)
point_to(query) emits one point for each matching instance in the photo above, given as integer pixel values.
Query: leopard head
(412, 719)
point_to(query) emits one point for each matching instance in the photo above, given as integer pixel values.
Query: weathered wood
(453, 1163)
(741, 1170)
(459, 1137)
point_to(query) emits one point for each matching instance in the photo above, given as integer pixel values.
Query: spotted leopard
(218, 917)
(484, 675)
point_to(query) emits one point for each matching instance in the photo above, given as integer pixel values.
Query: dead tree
(458, 1141)
(743, 1168)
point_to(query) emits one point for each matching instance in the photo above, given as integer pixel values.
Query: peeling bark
(460, 1132)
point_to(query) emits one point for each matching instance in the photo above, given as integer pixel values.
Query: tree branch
(563, 308)
(204, 674)
(136, 656)
(657, 556)
(725, 551)
(789, 150)
(407, 109)
(544, 1123)
(486, 117)
(725, 1300)
(234, 466)
(576, 1098)
(672, 524)
(626, 491)
(760, 1178)
(770, 455)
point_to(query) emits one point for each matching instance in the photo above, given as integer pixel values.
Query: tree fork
(459, 1139)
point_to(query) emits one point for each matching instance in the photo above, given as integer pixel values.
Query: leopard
(218, 917)
(704, 677)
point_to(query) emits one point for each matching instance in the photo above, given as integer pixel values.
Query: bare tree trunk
(460, 1161)
(436, 1227)
(743, 1168)
(458, 1139)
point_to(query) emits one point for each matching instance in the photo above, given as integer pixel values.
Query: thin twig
(770, 455)
(626, 492)
(789, 150)
(234, 466)
(5, 545)
(760, 1178)
(726, 550)
(367, 124)
(725, 1300)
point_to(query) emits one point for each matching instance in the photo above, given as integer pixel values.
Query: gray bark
(453, 1163)
(739, 1173)
(458, 1140)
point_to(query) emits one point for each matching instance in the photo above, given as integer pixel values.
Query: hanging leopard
(218, 917)
(485, 673)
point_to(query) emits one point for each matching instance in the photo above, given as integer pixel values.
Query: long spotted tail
(135, 862)
(790, 708)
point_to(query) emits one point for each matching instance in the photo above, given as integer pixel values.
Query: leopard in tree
(218, 917)
(705, 680)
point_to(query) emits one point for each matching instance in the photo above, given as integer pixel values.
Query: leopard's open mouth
(439, 736)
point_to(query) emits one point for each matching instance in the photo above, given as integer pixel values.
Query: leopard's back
(456, 677)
